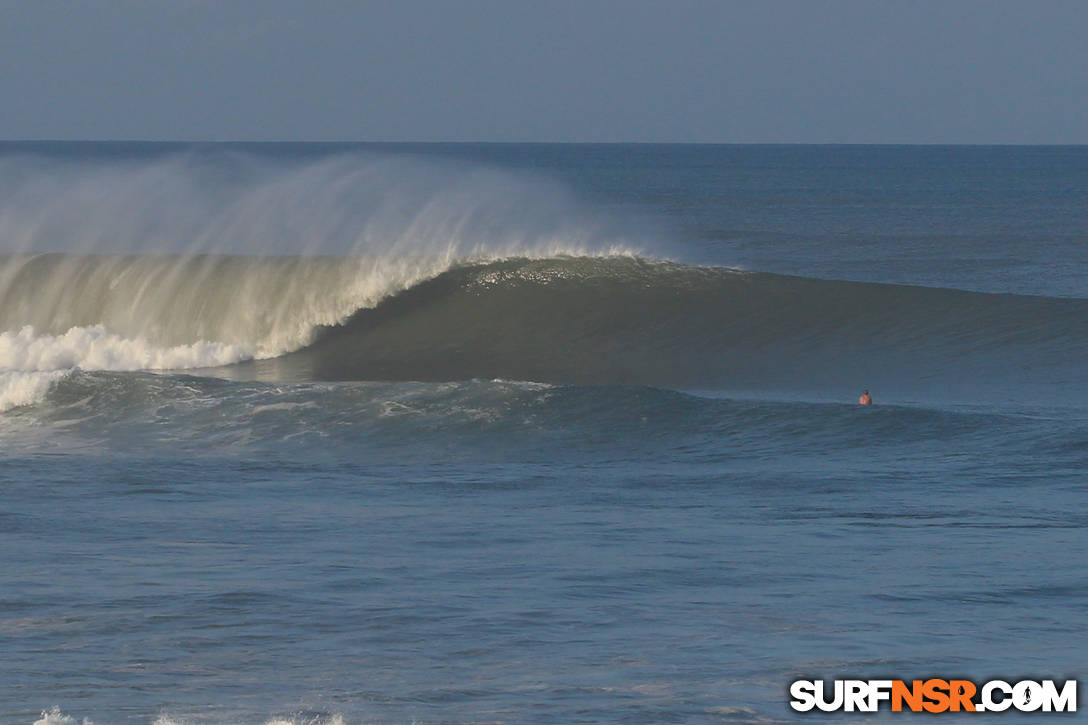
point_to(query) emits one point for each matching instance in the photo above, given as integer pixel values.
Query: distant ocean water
(340, 433)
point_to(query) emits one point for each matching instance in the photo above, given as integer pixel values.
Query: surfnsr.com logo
(933, 695)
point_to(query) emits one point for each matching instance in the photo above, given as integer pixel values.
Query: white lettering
(835, 703)
(803, 693)
(1064, 701)
(879, 690)
(1001, 705)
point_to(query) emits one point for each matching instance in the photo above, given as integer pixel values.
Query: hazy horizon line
(317, 142)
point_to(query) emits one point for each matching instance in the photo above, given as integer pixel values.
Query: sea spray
(253, 250)
(205, 257)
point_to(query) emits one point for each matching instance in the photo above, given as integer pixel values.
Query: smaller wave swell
(502, 420)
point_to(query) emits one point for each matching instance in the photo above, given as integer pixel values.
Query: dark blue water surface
(215, 547)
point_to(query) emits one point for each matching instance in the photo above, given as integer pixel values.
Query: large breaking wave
(607, 319)
(373, 268)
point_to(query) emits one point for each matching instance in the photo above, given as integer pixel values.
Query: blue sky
(808, 71)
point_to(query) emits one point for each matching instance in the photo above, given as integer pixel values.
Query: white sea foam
(56, 717)
(22, 388)
(95, 348)
(31, 363)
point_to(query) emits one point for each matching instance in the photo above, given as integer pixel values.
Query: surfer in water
(865, 398)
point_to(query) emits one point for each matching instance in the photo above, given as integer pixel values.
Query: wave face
(634, 321)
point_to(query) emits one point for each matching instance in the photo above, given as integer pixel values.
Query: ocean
(331, 434)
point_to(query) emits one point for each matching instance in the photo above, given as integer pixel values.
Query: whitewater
(344, 433)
